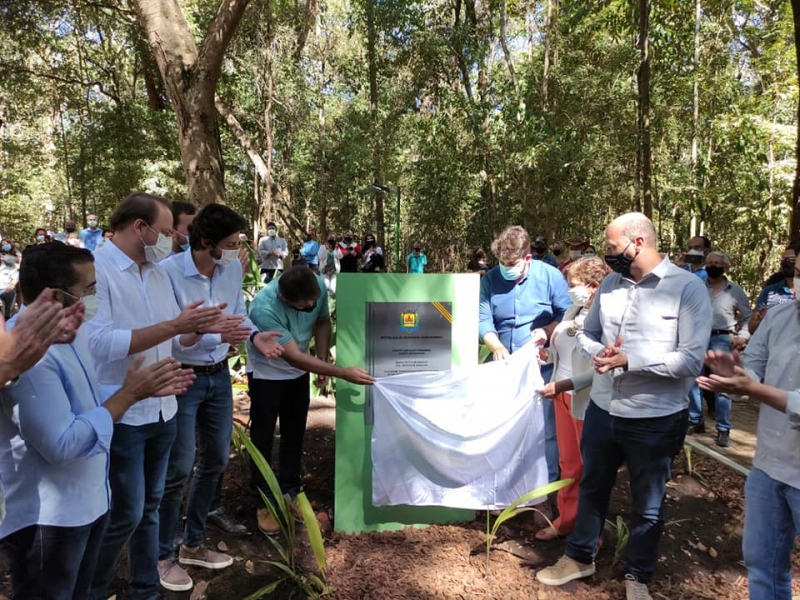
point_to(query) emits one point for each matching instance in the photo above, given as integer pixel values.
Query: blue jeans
(206, 407)
(139, 457)
(722, 404)
(648, 447)
(771, 522)
(53, 563)
(550, 442)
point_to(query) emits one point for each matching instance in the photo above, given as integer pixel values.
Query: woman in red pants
(569, 389)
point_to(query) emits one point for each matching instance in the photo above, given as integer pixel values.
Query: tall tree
(795, 223)
(645, 196)
(190, 76)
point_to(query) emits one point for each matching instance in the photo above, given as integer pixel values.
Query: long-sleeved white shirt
(129, 300)
(189, 285)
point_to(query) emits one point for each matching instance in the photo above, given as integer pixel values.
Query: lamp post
(387, 190)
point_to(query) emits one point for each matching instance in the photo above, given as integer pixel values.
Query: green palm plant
(516, 508)
(310, 584)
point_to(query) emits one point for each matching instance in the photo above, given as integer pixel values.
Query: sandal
(548, 534)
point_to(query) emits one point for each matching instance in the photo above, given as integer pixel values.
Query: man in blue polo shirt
(523, 299)
(92, 235)
(776, 293)
(296, 305)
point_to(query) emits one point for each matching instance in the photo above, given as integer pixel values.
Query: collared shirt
(701, 272)
(189, 285)
(664, 321)
(773, 356)
(726, 304)
(129, 300)
(514, 309)
(91, 238)
(268, 245)
(310, 251)
(773, 295)
(546, 258)
(54, 442)
(270, 313)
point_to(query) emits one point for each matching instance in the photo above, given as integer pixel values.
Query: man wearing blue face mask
(183, 213)
(523, 300)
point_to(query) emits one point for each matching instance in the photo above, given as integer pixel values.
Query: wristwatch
(10, 384)
(253, 336)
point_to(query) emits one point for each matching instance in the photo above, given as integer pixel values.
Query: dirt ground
(700, 553)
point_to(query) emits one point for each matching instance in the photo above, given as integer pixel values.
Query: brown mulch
(700, 552)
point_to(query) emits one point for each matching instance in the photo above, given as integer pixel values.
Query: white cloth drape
(463, 439)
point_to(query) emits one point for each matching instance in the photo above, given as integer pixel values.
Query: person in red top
(576, 245)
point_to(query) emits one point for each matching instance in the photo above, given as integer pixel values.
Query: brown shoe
(267, 524)
(173, 577)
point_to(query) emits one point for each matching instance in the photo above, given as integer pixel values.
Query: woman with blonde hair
(570, 386)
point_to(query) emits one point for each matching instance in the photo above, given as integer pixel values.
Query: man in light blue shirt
(523, 299)
(310, 251)
(272, 250)
(296, 306)
(55, 434)
(92, 235)
(210, 271)
(647, 331)
(138, 317)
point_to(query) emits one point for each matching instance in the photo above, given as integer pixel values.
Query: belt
(207, 369)
(721, 332)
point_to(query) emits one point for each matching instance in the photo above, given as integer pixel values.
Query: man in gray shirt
(272, 249)
(647, 332)
(772, 491)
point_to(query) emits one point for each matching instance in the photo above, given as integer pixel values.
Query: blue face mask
(185, 247)
(513, 273)
(6, 248)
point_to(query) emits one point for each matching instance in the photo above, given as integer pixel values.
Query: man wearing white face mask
(56, 432)
(210, 271)
(139, 317)
(272, 249)
(522, 300)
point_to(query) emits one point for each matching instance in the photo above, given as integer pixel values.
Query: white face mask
(589, 255)
(271, 232)
(574, 254)
(579, 295)
(228, 257)
(91, 303)
(161, 250)
(797, 288)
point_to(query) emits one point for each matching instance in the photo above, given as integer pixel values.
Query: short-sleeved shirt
(90, 238)
(773, 295)
(416, 264)
(269, 312)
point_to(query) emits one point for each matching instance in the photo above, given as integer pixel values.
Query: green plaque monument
(389, 324)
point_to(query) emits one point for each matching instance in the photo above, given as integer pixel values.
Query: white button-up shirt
(224, 286)
(130, 299)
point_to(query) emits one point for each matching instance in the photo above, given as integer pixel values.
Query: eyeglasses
(91, 291)
(167, 232)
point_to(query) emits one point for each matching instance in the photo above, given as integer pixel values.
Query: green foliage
(282, 509)
(622, 536)
(515, 508)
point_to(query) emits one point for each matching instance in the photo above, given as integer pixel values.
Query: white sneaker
(564, 571)
(635, 590)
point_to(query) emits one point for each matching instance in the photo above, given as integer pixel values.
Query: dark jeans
(53, 563)
(648, 447)
(139, 457)
(269, 274)
(207, 408)
(287, 399)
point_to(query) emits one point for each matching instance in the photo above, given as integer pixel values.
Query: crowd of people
(116, 390)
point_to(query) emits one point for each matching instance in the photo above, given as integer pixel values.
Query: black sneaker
(696, 428)
(221, 521)
(723, 439)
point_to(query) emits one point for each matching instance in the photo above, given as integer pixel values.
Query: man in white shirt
(210, 271)
(137, 317)
(272, 250)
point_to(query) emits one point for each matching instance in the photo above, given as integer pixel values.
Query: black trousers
(287, 400)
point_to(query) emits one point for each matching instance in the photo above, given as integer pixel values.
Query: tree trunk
(643, 121)
(190, 78)
(377, 129)
(795, 226)
(695, 106)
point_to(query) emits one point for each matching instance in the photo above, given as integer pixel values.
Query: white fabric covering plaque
(462, 439)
